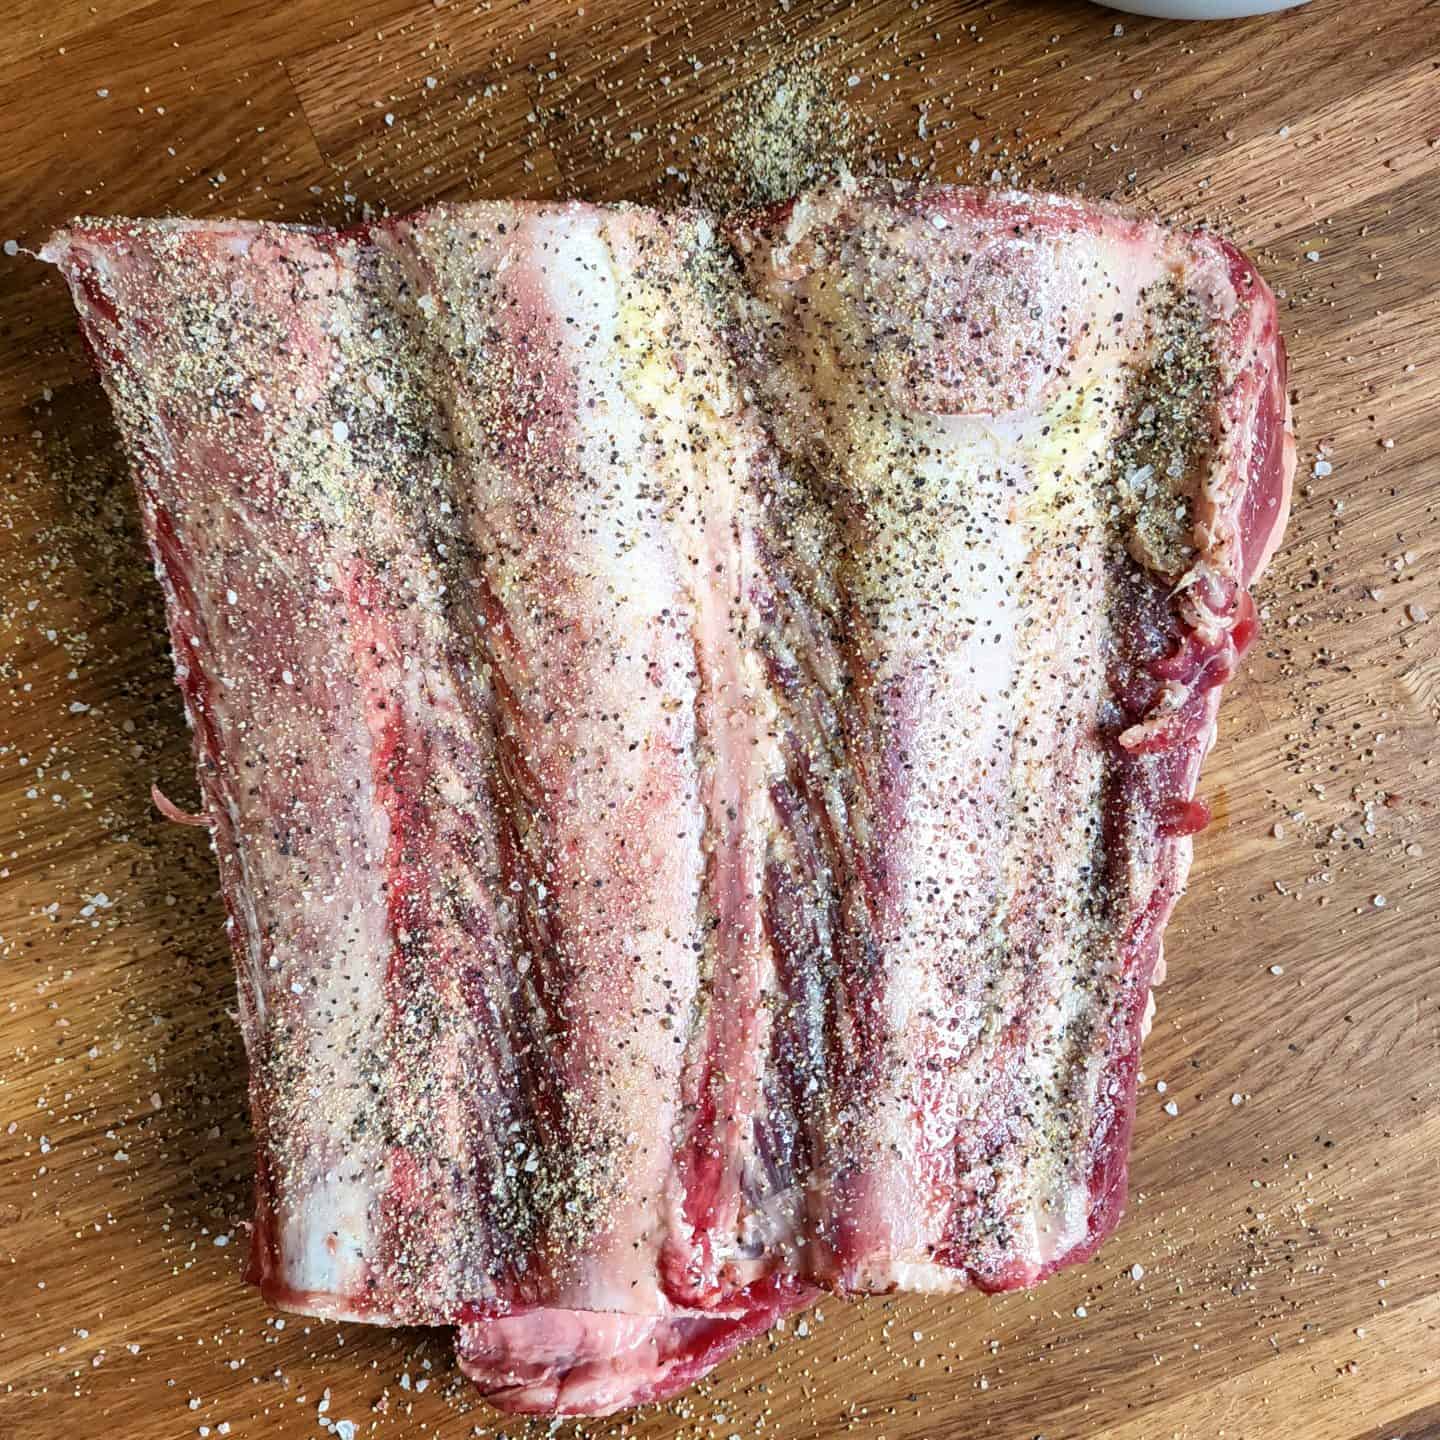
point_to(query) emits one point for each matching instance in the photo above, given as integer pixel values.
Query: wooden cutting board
(1278, 1273)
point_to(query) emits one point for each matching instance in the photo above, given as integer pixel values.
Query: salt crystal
(1171, 1108)
(1137, 1272)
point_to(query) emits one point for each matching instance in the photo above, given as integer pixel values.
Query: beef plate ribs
(699, 718)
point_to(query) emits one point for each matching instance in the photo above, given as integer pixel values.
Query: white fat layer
(632, 588)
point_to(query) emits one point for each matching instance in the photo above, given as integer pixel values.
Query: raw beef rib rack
(700, 721)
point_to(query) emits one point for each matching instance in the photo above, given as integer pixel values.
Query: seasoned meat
(700, 720)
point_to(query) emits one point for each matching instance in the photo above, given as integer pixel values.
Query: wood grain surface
(1278, 1273)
